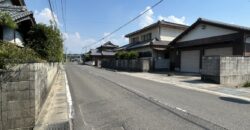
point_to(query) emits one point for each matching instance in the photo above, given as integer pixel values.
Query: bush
(133, 55)
(127, 55)
(10, 55)
(246, 85)
(122, 55)
(87, 57)
(46, 41)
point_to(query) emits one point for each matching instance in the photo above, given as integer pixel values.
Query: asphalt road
(103, 100)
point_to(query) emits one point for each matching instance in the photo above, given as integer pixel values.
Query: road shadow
(195, 81)
(234, 100)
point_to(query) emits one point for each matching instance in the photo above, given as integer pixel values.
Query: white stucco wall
(169, 34)
(154, 32)
(209, 31)
(12, 36)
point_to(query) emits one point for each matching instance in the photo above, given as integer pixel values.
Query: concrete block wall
(233, 71)
(23, 91)
(128, 65)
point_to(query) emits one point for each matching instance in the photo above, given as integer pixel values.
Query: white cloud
(147, 18)
(106, 34)
(44, 16)
(115, 39)
(75, 43)
(174, 19)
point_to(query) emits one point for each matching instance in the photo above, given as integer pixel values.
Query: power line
(63, 14)
(122, 26)
(52, 13)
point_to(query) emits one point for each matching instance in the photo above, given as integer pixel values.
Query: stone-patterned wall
(233, 71)
(24, 89)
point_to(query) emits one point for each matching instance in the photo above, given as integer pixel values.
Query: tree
(46, 41)
(6, 20)
(133, 55)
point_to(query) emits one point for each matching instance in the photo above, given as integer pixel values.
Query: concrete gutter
(57, 112)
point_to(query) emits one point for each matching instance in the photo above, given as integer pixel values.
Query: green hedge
(47, 41)
(10, 55)
(127, 55)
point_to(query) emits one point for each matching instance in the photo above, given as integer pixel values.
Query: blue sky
(89, 20)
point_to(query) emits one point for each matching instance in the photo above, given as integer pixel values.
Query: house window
(146, 37)
(135, 39)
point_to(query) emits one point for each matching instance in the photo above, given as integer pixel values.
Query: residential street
(108, 100)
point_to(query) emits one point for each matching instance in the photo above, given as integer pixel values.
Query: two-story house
(152, 41)
(24, 19)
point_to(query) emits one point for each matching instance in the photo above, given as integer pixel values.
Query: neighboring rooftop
(225, 25)
(213, 23)
(108, 44)
(15, 2)
(162, 22)
(107, 49)
(18, 13)
(153, 43)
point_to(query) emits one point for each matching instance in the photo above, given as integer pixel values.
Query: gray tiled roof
(162, 22)
(20, 2)
(18, 13)
(107, 53)
(95, 52)
(223, 24)
(154, 42)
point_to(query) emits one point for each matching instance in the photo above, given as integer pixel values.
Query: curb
(70, 102)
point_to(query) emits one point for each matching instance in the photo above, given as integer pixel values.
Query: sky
(87, 21)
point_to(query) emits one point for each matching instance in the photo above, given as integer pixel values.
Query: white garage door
(227, 51)
(190, 61)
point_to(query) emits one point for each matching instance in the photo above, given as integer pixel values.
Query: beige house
(152, 41)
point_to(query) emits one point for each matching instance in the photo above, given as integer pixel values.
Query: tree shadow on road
(235, 100)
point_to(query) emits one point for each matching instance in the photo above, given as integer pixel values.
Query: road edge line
(70, 102)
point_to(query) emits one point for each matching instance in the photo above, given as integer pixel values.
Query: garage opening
(190, 61)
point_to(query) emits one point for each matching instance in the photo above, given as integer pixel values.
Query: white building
(152, 41)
